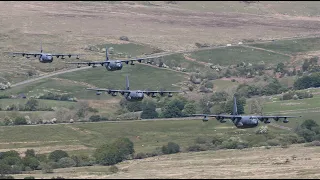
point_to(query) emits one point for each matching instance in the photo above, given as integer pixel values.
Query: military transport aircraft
(111, 64)
(240, 121)
(44, 57)
(133, 95)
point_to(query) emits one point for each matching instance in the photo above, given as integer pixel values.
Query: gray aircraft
(111, 65)
(44, 57)
(240, 121)
(133, 95)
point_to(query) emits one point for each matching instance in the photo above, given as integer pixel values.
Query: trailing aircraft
(133, 95)
(246, 121)
(44, 57)
(111, 64)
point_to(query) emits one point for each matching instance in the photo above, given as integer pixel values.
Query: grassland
(276, 162)
(292, 46)
(234, 55)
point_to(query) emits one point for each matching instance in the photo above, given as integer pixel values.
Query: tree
(173, 108)
(31, 162)
(30, 153)
(149, 110)
(4, 168)
(240, 105)
(309, 124)
(189, 108)
(20, 121)
(171, 148)
(57, 155)
(255, 106)
(107, 155)
(125, 146)
(280, 67)
(31, 105)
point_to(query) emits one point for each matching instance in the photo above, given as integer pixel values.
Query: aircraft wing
(136, 59)
(25, 54)
(89, 63)
(69, 55)
(160, 92)
(277, 116)
(109, 90)
(227, 116)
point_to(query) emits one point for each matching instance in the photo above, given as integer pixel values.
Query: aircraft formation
(240, 121)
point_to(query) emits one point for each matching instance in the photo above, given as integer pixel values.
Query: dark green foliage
(57, 155)
(4, 168)
(58, 97)
(30, 153)
(309, 124)
(31, 105)
(31, 162)
(299, 95)
(241, 102)
(140, 155)
(217, 140)
(173, 108)
(110, 154)
(307, 134)
(273, 142)
(82, 160)
(149, 110)
(307, 81)
(131, 106)
(170, 148)
(46, 168)
(219, 96)
(20, 121)
(6, 177)
(29, 177)
(42, 157)
(195, 148)
(94, 118)
(66, 162)
(189, 108)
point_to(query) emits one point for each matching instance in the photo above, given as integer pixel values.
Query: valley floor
(293, 162)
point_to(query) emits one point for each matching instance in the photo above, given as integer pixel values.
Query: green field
(131, 49)
(292, 46)
(140, 76)
(42, 103)
(234, 55)
(177, 60)
(146, 135)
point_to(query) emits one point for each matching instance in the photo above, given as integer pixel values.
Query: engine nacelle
(267, 121)
(153, 95)
(276, 118)
(205, 119)
(98, 93)
(219, 118)
(169, 95)
(285, 120)
(77, 57)
(78, 66)
(223, 120)
(114, 94)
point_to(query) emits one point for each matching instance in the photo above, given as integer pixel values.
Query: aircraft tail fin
(235, 109)
(107, 58)
(127, 83)
(41, 46)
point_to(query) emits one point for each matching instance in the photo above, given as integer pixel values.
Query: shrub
(95, 118)
(217, 140)
(170, 148)
(20, 121)
(6, 177)
(313, 143)
(46, 168)
(201, 140)
(31, 162)
(273, 142)
(194, 148)
(124, 38)
(57, 155)
(29, 177)
(66, 162)
(141, 155)
(113, 169)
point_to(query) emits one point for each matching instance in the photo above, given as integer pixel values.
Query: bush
(124, 38)
(57, 155)
(29, 177)
(273, 142)
(313, 143)
(20, 121)
(95, 118)
(194, 148)
(113, 169)
(217, 140)
(6, 177)
(141, 155)
(31, 162)
(170, 148)
(66, 162)
(200, 140)
(46, 168)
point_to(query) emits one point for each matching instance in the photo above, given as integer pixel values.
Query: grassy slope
(234, 55)
(292, 46)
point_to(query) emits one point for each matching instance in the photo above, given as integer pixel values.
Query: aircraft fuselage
(45, 58)
(134, 96)
(114, 66)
